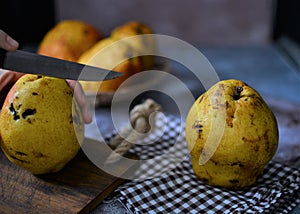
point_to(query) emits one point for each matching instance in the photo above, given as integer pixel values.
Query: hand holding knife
(26, 62)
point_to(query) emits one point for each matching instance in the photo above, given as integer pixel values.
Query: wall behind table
(199, 22)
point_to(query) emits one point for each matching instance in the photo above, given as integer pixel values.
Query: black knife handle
(2, 57)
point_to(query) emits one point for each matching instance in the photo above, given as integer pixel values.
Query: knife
(31, 63)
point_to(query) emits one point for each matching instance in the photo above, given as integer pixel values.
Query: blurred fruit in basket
(130, 29)
(231, 134)
(41, 126)
(68, 39)
(134, 28)
(120, 52)
(113, 55)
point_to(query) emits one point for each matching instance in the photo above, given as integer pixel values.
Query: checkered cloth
(170, 186)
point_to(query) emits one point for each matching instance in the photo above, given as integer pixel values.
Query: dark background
(287, 19)
(28, 21)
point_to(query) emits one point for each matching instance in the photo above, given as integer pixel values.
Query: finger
(6, 78)
(7, 43)
(86, 114)
(9, 77)
(17, 75)
(81, 100)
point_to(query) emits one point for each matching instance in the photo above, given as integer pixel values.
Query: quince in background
(134, 28)
(38, 130)
(117, 52)
(69, 39)
(130, 29)
(248, 142)
(113, 55)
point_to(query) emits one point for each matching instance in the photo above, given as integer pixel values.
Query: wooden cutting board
(78, 188)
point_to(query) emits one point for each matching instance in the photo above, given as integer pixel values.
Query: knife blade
(31, 63)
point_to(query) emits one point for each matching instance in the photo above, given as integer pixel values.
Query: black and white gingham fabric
(174, 188)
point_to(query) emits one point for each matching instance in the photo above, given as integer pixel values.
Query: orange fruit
(142, 44)
(113, 55)
(69, 39)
